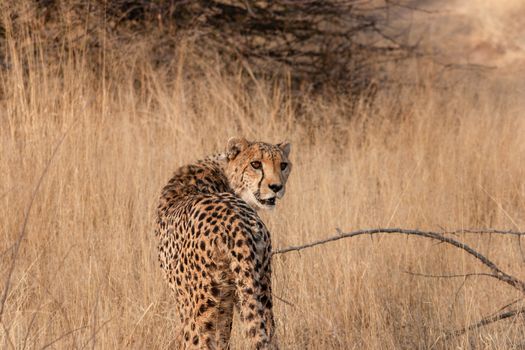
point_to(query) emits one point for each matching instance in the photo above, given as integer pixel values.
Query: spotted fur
(213, 247)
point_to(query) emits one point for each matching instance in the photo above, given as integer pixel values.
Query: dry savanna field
(103, 143)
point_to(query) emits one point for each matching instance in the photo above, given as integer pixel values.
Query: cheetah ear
(286, 147)
(235, 146)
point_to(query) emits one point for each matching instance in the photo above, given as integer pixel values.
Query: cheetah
(213, 247)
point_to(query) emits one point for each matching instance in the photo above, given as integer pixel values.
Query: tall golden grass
(86, 273)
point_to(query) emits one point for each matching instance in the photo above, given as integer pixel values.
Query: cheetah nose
(275, 187)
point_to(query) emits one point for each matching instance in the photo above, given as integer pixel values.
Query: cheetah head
(258, 171)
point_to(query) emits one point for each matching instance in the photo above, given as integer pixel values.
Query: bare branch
(496, 271)
(409, 7)
(488, 320)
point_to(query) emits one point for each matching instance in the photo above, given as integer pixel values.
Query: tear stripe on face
(260, 181)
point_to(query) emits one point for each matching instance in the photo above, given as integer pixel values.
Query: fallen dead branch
(488, 320)
(495, 272)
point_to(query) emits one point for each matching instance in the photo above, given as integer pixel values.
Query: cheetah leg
(224, 325)
(210, 320)
(249, 292)
(199, 332)
(222, 316)
(188, 337)
(265, 299)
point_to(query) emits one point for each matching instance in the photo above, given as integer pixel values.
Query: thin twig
(464, 275)
(289, 303)
(7, 250)
(456, 297)
(7, 336)
(23, 229)
(506, 306)
(486, 231)
(92, 338)
(129, 337)
(63, 336)
(56, 301)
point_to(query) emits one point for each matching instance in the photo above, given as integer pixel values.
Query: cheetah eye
(284, 166)
(256, 164)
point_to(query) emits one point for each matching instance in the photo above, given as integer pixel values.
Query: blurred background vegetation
(335, 45)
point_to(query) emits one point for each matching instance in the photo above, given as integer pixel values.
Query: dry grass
(87, 274)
